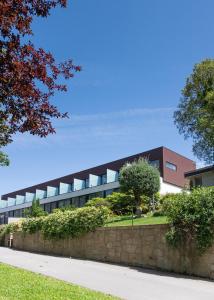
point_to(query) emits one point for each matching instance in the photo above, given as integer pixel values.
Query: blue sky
(135, 56)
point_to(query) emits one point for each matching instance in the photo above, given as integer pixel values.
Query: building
(100, 181)
(201, 177)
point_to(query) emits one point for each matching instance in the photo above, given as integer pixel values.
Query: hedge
(192, 218)
(60, 224)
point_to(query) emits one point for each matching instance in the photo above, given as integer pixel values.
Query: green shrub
(97, 202)
(9, 228)
(35, 211)
(71, 223)
(159, 203)
(2, 233)
(120, 203)
(64, 208)
(191, 217)
(144, 208)
(32, 225)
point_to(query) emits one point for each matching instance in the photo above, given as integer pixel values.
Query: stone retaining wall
(143, 246)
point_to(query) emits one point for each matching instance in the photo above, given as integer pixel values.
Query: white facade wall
(166, 188)
(13, 220)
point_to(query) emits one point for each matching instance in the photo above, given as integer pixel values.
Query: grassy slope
(126, 221)
(18, 284)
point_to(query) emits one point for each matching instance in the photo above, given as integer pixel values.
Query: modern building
(201, 177)
(100, 181)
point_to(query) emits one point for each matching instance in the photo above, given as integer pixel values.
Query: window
(11, 214)
(198, 181)
(108, 192)
(104, 179)
(17, 213)
(95, 195)
(53, 205)
(61, 204)
(75, 201)
(171, 166)
(82, 201)
(154, 163)
(48, 207)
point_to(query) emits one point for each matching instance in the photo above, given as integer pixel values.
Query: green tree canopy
(139, 178)
(35, 211)
(195, 115)
(4, 161)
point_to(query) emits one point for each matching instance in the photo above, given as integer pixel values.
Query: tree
(28, 76)
(195, 115)
(139, 178)
(4, 161)
(35, 210)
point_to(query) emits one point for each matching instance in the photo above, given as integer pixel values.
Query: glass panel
(78, 184)
(109, 192)
(94, 180)
(11, 214)
(104, 179)
(17, 213)
(61, 203)
(87, 183)
(75, 201)
(64, 188)
(48, 207)
(155, 163)
(112, 176)
(96, 195)
(3, 203)
(29, 197)
(40, 194)
(82, 201)
(198, 181)
(68, 202)
(53, 205)
(52, 191)
(11, 201)
(171, 166)
(20, 199)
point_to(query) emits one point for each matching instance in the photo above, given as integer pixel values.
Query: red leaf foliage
(28, 76)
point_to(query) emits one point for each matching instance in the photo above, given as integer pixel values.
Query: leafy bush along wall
(60, 225)
(191, 217)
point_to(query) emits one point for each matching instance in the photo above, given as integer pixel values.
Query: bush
(35, 211)
(71, 223)
(64, 208)
(120, 203)
(32, 225)
(9, 228)
(191, 217)
(97, 202)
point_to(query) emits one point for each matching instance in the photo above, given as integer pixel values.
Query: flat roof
(199, 171)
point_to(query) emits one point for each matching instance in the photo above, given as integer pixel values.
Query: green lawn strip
(127, 221)
(25, 285)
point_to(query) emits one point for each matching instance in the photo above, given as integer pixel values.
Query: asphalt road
(124, 282)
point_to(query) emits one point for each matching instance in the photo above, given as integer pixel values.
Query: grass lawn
(18, 284)
(127, 221)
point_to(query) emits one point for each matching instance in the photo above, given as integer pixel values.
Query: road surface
(124, 282)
